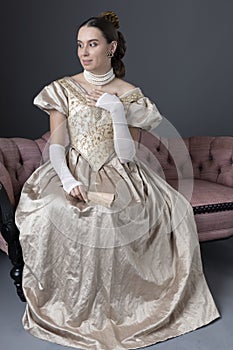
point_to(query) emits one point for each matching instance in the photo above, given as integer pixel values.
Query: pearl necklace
(99, 79)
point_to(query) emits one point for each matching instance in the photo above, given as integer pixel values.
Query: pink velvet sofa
(211, 194)
(212, 164)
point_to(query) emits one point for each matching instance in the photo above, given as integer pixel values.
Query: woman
(111, 252)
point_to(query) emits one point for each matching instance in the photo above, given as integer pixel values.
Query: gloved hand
(58, 161)
(123, 141)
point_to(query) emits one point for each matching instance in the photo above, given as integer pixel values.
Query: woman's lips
(86, 62)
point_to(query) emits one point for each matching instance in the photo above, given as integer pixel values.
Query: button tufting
(200, 167)
(219, 170)
(210, 157)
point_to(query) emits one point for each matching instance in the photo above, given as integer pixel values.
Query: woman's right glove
(123, 141)
(58, 161)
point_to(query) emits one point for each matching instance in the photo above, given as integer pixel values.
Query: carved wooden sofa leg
(10, 233)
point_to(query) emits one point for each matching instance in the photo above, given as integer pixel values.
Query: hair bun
(111, 17)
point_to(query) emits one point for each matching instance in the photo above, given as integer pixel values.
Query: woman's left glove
(123, 141)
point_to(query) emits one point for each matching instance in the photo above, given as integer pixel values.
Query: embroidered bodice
(90, 128)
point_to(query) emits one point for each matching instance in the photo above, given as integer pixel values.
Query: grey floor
(218, 266)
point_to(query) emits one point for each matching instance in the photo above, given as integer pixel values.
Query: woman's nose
(85, 51)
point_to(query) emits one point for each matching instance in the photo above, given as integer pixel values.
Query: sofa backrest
(211, 157)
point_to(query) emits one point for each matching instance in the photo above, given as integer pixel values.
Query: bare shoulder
(123, 86)
(77, 77)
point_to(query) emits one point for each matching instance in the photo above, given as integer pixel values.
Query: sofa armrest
(19, 157)
(5, 180)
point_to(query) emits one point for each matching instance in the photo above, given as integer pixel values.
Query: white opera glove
(123, 141)
(58, 161)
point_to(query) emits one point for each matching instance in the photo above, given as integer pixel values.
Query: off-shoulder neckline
(84, 91)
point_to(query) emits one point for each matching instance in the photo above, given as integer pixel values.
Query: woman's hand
(79, 192)
(112, 104)
(94, 95)
(123, 142)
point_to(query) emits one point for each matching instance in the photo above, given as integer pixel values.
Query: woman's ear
(113, 46)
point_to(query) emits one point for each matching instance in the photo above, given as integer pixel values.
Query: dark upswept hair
(108, 24)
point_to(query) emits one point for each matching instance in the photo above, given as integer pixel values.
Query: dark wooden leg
(10, 233)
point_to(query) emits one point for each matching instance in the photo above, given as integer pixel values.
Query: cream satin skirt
(122, 271)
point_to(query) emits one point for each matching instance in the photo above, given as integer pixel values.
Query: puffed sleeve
(143, 113)
(52, 97)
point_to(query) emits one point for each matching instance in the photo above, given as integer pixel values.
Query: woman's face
(93, 49)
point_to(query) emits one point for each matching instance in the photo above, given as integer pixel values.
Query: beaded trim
(212, 208)
(131, 97)
(66, 84)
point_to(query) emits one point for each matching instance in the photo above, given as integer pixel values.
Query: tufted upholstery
(211, 192)
(212, 159)
(212, 167)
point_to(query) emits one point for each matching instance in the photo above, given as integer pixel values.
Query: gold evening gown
(123, 270)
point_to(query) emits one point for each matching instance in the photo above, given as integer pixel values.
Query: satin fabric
(122, 271)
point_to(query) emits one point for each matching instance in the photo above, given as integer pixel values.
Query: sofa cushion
(213, 204)
(206, 192)
(213, 207)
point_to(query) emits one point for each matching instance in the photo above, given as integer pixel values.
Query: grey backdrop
(179, 52)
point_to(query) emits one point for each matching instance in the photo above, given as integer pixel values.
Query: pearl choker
(99, 79)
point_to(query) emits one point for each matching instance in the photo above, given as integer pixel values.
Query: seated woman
(112, 258)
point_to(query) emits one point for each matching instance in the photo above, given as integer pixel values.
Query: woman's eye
(81, 46)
